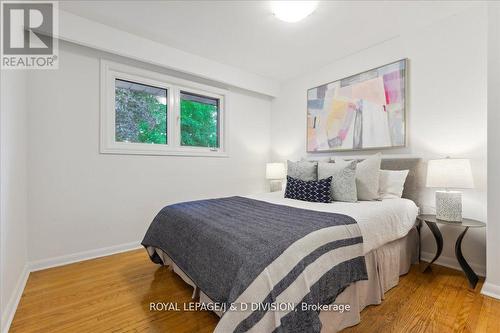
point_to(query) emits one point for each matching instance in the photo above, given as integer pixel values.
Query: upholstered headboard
(416, 176)
(414, 181)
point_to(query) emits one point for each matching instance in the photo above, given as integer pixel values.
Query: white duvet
(380, 221)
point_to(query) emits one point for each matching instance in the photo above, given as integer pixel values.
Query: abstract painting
(363, 111)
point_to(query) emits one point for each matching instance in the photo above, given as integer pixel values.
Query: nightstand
(432, 222)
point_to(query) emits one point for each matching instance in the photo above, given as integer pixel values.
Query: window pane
(140, 113)
(199, 120)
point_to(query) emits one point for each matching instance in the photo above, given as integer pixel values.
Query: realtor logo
(28, 30)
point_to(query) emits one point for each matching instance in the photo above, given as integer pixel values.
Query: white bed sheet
(380, 222)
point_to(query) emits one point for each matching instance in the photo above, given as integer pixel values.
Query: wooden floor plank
(113, 294)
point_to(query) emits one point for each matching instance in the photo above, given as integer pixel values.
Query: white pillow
(367, 176)
(392, 183)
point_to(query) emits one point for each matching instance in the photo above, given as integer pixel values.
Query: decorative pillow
(367, 176)
(313, 190)
(392, 183)
(343, 180)
(303, 170)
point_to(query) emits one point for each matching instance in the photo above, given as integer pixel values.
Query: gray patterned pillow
(367, 176)
(343, 180)
(303, 170)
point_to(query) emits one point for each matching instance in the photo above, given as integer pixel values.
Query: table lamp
(275, 172)
(449, 173)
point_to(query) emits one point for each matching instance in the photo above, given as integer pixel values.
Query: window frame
(110, 71)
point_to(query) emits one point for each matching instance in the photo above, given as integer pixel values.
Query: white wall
(492, 285)
(80, 200)
(446, 108)
(13, 195)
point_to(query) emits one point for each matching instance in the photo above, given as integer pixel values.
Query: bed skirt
(384, 265)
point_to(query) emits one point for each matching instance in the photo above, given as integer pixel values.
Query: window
(199, 120)
(148, 113)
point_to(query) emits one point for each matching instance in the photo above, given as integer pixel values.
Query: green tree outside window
(199, 124)
(140, 117)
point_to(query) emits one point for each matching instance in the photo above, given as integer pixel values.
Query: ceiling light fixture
(293, 11)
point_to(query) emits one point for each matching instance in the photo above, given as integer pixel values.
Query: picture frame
(364, 111)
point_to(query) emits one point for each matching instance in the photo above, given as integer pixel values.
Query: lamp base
(449, 206)
(275, 185)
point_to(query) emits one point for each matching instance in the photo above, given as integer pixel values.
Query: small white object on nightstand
(275, 172)
(449, 173)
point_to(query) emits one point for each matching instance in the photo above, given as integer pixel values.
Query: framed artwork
(363, 111)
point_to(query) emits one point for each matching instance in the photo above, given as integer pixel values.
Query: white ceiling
(246, 35)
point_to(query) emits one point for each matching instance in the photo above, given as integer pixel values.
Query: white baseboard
(452, 262)
(81, 256)
(10, 310)
(490, 289)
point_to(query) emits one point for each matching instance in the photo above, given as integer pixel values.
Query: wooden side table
(432, 222)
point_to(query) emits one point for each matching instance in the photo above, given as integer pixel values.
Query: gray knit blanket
(264, 262)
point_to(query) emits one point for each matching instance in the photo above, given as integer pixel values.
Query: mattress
(380, 222)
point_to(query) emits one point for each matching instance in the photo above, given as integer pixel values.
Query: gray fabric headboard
(416, 176)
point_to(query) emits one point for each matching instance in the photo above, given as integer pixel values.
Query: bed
(377, 242)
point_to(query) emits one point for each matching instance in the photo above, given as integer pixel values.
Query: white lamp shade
(449, 173)
(275, 171)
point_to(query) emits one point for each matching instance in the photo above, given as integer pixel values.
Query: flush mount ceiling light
(292, 11)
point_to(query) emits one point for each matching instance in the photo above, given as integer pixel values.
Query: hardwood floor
(113, 294)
